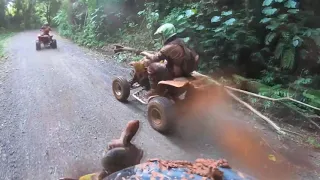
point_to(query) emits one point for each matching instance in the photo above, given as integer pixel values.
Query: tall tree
(2, 13)
(49, 8)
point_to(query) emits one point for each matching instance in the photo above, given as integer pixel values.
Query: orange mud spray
(243, 147)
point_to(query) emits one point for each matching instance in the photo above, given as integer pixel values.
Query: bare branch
(271, 99)
(274, 125)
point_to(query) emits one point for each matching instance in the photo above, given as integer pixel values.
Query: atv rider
(181, 60)
(45, 29)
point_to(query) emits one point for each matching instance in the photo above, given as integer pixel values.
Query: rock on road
(57, 112)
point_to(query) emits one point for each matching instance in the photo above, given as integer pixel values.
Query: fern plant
(286, 30)
(218, 34)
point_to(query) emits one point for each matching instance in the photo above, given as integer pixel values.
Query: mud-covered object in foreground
(155, 170)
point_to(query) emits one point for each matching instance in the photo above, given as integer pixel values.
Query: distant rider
(181, 60)
(45, 29)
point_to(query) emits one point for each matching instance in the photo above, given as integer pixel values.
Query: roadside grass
(4, 36)
(314, 142)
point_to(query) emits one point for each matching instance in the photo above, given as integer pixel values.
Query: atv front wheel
(54, 44)
(121, 89)
(38, 46)
(161, 114)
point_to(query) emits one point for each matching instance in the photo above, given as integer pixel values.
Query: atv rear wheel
(38, 46)
(121, 89)
(54, 44)
(161, 114)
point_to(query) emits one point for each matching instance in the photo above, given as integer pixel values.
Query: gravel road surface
(57, 114)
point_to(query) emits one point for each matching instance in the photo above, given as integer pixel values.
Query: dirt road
(57, 113)
(57, 110)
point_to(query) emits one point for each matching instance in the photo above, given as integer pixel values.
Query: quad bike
(130, 156)
(154, 170)
(47, 41)
(161, 107)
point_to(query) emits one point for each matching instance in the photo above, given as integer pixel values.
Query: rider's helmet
(45, 25)
(166, 30)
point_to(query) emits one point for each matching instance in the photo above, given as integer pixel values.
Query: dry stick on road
(303, 115)
(274, 125)
(273, 99)
(282, 99)
(268, 120)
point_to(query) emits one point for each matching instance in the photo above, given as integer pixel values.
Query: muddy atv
(47, 41)
(161, 107)
(155, 170)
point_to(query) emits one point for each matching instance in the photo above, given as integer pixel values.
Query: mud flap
(151, 97)
(177, 82)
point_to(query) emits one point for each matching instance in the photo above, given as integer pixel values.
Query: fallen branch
(312, 122)
(272, 99)
(274, 125)
(313, 116)
(286, 130)
(303, 115)
(281, 99)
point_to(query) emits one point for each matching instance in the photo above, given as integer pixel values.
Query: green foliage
(287, 60)
(267, 2)
(269, 11)
(46, 10)
(312, 141)
(216, 31)
(265, 20)
(64, 27)
(149, 16)
(3, 37)
(290, 4)
(215, 19)
(288, 36)
(84, 27)
(279, 50)
(268, 78)
(270, 37)
(303, 81)
(26, 14)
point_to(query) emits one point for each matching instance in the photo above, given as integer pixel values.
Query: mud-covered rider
(45, 29)
(181, 60)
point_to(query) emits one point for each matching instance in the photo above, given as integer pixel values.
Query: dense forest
(269, 47)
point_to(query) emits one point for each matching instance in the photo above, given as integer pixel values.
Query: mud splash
(203, 167)
(250, 149)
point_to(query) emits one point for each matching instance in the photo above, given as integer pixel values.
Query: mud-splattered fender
(151, 170)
